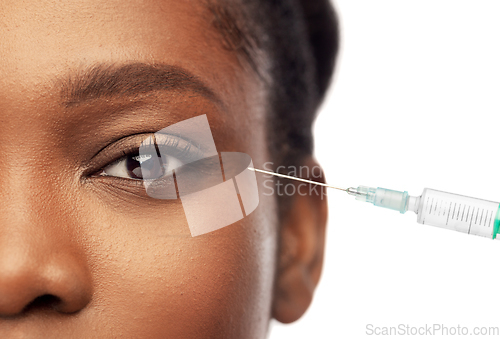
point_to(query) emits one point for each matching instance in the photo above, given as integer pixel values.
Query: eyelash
(165, 144)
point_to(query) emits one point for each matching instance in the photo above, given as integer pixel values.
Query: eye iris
(144, 166)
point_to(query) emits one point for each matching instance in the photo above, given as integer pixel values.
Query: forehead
(42, 40)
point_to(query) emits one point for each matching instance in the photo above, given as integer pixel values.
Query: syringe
(442, 209)
(447, 210)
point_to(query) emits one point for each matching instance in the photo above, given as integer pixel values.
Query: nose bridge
(36, 183)
(33, 192)
(40, 254)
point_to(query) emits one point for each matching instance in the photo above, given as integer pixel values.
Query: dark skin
(90, 256)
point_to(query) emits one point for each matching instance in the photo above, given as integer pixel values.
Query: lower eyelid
(120, 187)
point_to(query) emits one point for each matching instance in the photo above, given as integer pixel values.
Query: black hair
(292, 45)
(303, 43)
(300, 39)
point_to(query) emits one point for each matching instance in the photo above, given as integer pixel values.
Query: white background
(414, 104)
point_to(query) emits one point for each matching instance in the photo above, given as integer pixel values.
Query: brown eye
(148, 159)
(144, 166)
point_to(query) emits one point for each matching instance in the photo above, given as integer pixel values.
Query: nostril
(43, 302)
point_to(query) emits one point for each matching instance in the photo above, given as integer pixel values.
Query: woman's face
(91, 256)
(84, 255)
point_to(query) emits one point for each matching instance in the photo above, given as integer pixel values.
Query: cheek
(149, 270)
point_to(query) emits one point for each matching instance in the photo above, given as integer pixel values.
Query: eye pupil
(144, 166)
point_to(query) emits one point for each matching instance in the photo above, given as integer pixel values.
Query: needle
(295, 178)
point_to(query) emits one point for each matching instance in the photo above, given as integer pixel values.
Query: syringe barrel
(459, 213)
(437, 208)
(394, 200)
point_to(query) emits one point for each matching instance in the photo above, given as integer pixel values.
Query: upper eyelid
(200, 148)
(183, 147)
(125, 146)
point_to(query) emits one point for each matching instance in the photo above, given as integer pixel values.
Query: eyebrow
(110, 80)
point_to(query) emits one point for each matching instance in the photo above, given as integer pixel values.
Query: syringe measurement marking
(467, 219)
(472, 216)
(454, 208)
(463, 212)
(477, 214)
(430, 208)
(481, 220)
(468, 232)
(448, 218)
(491, 215)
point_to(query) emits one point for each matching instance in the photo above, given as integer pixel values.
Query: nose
(29, 282)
